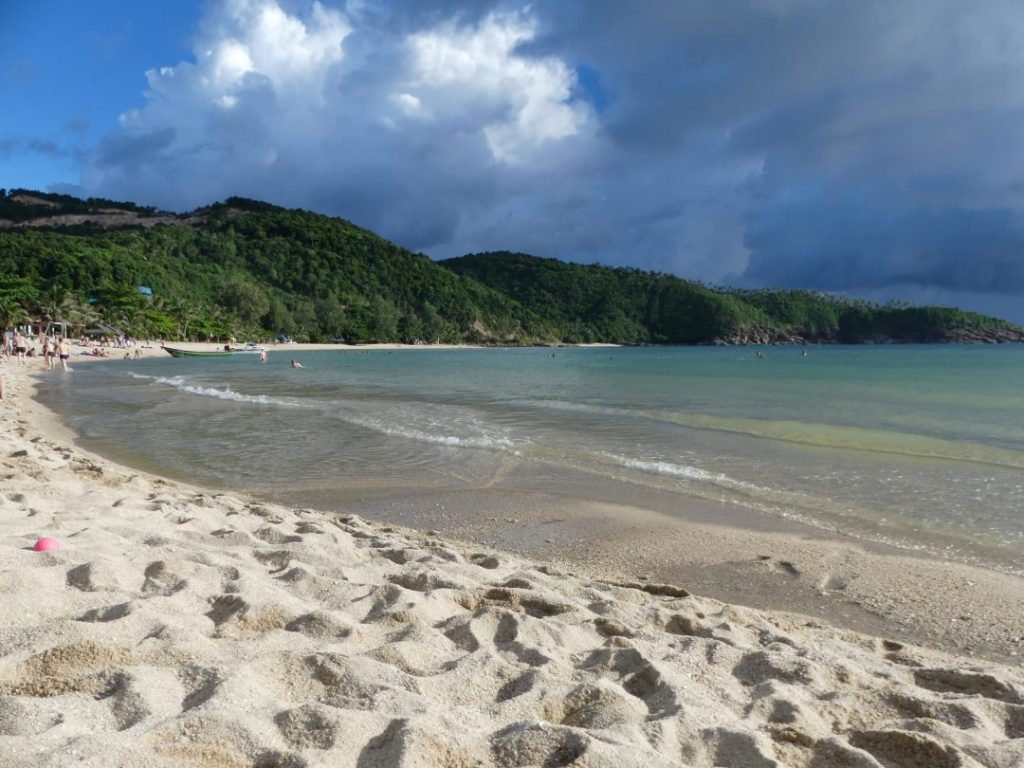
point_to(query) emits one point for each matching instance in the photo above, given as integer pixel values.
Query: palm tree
(15, 295)
(185, 313)
(57, 305)
(50, 305)
(13, 314)
(80, 315)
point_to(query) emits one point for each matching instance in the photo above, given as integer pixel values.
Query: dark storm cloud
(834, 145)
(857, 244)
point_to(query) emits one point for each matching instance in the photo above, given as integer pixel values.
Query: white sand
(181, 628)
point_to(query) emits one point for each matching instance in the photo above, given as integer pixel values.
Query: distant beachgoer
(263, 356)
(760, 355)
(803, 353)
(296, 363)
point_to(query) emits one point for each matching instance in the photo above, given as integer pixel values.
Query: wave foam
(455, 441)
(682, 470)
(183, 385)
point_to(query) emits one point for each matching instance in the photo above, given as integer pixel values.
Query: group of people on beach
(18, 346)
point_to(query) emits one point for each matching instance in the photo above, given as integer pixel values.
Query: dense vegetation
(593, 303)
(248, 269)
(596, 303)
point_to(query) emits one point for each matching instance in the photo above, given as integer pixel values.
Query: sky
(871, 148)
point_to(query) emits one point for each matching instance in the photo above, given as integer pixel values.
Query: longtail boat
(226, 351)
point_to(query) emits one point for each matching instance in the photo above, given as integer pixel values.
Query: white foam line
(181, 383)
(682, 470)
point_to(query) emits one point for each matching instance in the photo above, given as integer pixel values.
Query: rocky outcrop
(766, 336)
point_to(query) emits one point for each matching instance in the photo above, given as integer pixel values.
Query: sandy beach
(180, 626)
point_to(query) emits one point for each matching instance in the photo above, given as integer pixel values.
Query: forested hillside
(243, 268)
(595, 303)
(247, 269)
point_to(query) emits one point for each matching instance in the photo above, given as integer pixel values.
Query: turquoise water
(920, 446)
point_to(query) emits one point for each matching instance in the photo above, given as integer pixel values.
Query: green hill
(247, 269)
(596, 303)
(240, 268)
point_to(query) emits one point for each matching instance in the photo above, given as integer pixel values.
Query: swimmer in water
(296, 363)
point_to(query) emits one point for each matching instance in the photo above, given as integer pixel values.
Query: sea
(915, 446)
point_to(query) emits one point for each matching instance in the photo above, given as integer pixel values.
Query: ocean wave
(184, 385)
(482, 441)
(490, 442)
(686, 471)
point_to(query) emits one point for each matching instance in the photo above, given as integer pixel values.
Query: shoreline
(720, 550)
(186, 627)
(761, 563)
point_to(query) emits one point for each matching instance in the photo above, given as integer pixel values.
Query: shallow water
(919, 446)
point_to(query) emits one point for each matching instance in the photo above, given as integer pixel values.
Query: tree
(433, 326)
(12, 314)
(304, 314)
(185, 313)
(246, 300)
(330, 315)
(410, 328)
(383, 325)
(278, 319)
(123, 307)
(17, 289)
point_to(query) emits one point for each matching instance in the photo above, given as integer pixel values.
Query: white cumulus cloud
(530, 99)
(409, 131)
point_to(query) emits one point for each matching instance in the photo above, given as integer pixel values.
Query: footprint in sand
(783, 566)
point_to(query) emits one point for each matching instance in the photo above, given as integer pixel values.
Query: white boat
(226, 351)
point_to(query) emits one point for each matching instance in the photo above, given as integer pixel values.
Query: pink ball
(46, 544)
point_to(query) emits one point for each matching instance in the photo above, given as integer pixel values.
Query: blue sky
(69, 69)
(870, 148)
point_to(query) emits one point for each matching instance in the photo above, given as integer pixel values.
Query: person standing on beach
(20, 346)
(50, 352)
(64, 349)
